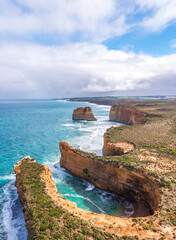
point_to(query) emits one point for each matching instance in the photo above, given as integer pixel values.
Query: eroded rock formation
(48, 215)
(83, 113)
(111, 176)
(127, 115)
(116, 149)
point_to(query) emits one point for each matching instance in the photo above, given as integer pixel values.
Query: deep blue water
(35, 128)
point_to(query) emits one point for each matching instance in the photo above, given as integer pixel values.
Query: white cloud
(173, 43)
(163, 13)
(96, 20)
(78, 69)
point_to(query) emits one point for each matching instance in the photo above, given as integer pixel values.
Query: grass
(155, 138)
(160, 129)
(45, 220)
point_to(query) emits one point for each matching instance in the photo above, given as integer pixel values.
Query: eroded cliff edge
(149, 148)
(111, 176)
(123, 114)
(127, 115)
(48, 215)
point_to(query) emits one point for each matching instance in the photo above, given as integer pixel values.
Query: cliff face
(48, 215)
(83, 113)
(110, 176)
(116, 149)
(127, 115)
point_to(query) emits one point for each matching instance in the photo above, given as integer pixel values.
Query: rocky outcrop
(48, 215)
(116, 149)
(83, 113)
(127, 115)
(111, 176)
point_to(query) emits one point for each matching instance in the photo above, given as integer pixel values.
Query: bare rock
(83, 113)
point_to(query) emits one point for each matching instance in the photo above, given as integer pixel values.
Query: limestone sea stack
(83, 113)
(127, 115)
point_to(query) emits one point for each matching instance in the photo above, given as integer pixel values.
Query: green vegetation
(130, 162)
(155, 153)
(169, 216)
(47, 220)
(163, 148)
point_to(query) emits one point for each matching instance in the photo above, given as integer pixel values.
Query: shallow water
(35, 128)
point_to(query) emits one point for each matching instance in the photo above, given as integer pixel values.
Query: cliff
(127, 115)
(115, 177)
(83, 113)
(116, 148)
(50, 216)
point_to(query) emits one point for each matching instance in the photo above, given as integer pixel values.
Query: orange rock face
(116, 149)
(111, 176)
(83, 113)
(112, 224)
(127, 115)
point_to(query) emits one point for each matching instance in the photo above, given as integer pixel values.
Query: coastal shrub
(49, 221)
(31, 212)
(43, 228)
(164, 183)
(85, 170)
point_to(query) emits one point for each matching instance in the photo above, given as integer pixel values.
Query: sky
(75, 48)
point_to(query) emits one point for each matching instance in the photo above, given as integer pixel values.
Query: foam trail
(62, 100)
(89, 187)
(85, 198)
(7, 177)
(13, 218)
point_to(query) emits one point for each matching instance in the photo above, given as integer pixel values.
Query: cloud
(30, 70)
(173, 43)
(162, 14)
(92, 20)
(95, 21)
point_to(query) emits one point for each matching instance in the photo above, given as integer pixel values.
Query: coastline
(34, 145)
(159, 229)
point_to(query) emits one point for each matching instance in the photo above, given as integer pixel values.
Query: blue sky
(156, 44)
(87, 48)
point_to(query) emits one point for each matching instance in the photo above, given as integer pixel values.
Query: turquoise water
(35, 128)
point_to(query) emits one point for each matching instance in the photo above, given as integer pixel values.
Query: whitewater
(35, 128)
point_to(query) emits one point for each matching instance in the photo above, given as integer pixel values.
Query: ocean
(35, 128)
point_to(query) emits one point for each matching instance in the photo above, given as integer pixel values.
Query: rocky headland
(48, 215)
(127, 115)
(146, 147)
(116, 149)
(83, 113)
(111, 176)
(144, 172)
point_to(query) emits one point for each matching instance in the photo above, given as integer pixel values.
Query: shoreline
(147, 152)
